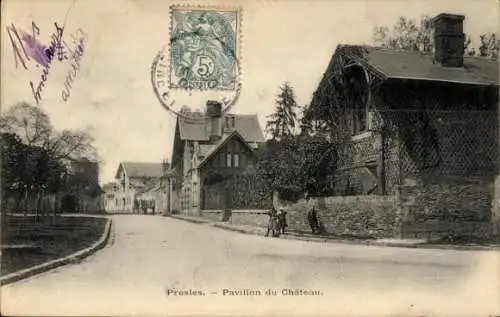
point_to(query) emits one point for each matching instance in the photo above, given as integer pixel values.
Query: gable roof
(421, 66)
(247, 125)
(216, 147)
(141, 169)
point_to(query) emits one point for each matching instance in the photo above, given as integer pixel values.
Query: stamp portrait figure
(204, 49)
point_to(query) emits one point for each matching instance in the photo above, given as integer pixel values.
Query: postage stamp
(204, 49)
(201, 60)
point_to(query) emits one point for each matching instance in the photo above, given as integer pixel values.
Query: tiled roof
(205, 149)
(247, 126)
(140, 169)
(420, 66)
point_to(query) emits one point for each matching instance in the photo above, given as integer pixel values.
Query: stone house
(421, 126)
(133, 179)
(208, 151)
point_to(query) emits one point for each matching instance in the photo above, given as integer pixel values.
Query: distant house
(133, 180)
(206, 152)
(421, 124)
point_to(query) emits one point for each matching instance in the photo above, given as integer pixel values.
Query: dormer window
(229, 123)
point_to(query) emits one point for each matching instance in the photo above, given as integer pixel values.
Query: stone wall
(251, 217)
(435, 229)
(213, 215)
(447, 209)
(464, 202)
(362, 216)
(241, 217)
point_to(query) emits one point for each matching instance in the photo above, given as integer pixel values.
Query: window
(228, 159)
(236, 160)
(222, 158)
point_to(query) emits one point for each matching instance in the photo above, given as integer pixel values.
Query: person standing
(282, 224)
(272, 225)
(312, 216)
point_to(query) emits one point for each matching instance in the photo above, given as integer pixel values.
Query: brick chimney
(449, 39)
(214, 123)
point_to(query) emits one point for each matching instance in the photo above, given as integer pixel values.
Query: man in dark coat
(312, 216)
(282, 225)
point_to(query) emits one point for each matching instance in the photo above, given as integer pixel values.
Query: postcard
(250, 158)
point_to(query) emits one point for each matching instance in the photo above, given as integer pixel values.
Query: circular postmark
(198, 65)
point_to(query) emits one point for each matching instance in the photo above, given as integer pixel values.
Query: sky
(112, 92)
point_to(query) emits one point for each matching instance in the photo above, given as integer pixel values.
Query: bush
(298, 164)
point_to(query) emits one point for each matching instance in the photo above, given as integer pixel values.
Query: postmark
(201, 61)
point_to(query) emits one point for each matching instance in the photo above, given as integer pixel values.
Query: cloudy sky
(112, 93)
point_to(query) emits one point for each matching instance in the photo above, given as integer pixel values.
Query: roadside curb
(226, 227)
(72, 258)
(353, 242)
(193, 220)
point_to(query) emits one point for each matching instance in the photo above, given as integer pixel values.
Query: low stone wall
(250, 217)
(241, 217)
(469, 202)
(362, 216)
(213, 215)
(435, 229)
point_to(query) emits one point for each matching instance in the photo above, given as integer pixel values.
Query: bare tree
(489, 46)
(30, 123)
(34, 128)
(407, 34)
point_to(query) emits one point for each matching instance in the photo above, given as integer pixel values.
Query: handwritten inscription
(76, 55)
(27, 47)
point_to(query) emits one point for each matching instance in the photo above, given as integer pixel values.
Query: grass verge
(26, 242)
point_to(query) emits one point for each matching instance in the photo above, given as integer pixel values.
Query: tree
(28, 169)
(36, 156)
(13, 164)
(185, 111)
(33, 126)
(110, 187)
(282, 122)
(489, 46)
(297, 164)
(406, 34)
(306, 125)
(30, 123)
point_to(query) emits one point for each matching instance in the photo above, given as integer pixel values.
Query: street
(157, 266)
